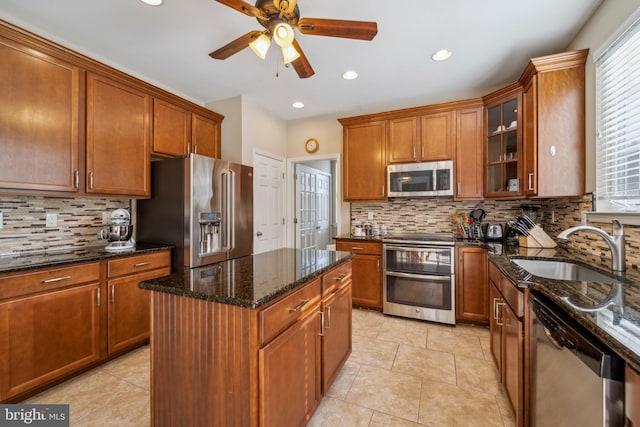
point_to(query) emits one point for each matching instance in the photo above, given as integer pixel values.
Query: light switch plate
(51, 220)
(1, 220)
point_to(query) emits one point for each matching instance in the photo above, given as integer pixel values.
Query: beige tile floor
(401, 373)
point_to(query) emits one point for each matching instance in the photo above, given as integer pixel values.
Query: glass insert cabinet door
(503, 158)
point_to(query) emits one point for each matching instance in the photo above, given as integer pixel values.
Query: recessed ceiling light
(152, 2)
(297, 104)
(350, 75)
(441, 55)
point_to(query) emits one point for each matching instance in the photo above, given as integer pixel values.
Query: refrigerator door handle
(231, 203)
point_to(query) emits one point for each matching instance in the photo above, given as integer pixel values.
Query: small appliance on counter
(118, 232)
(492, 231)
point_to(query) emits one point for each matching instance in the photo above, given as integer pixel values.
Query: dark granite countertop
(619, 329)
(40, 259)
(250, 281)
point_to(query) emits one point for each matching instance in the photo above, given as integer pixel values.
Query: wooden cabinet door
(129, 310)
(632, 396)
(205, 136)
(530, 139)
(289, 386)
(513, 361)
(436, 136)
(472, 290)
(403, 140)
(171, 129)
(469, 164)
(118, 136)
(495, 324)
(39, 112)
(45, 336)
(367, 281)
(365, 167)
(336, 342)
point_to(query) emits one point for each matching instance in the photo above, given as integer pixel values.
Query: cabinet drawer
(138, 263)
(513, 296)
(44, 280)
(369, 248)
(494, 274)
(336, 278)
(283, 313)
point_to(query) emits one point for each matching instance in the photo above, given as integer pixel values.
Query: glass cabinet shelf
(503, 152)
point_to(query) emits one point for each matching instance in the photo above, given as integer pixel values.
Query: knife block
(537, 238)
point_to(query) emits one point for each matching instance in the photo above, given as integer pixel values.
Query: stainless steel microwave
(420, 179)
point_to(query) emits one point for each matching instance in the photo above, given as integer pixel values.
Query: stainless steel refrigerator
(202, 206)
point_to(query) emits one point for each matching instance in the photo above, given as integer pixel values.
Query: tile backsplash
(79, 221)
(435, 215)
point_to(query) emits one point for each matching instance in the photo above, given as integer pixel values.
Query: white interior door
(313, 208)
(268, 203)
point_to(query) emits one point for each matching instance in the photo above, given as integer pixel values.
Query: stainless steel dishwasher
(575, 379)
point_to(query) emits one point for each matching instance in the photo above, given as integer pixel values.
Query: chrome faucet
(615, 241)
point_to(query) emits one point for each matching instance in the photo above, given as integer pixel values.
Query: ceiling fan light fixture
(441, 55)
(283, 34)
(350, 75)
(153, 2)
(290, 54)
(260, 45)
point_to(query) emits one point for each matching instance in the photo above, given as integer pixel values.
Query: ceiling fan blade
(235, 46)
(360, 30)
(301, 65)
(243, 7)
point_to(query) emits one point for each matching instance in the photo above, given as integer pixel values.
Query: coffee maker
(118, 232)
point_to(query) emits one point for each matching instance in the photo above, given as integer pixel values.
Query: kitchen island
(253, 341)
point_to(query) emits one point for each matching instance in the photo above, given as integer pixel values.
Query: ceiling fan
(279, 18)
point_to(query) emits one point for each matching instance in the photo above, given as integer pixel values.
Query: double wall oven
(419, 279)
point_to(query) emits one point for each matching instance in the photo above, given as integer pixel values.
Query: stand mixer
(118, 232)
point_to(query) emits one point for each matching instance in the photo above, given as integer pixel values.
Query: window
(618, 123)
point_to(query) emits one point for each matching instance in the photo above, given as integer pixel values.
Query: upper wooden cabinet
(39, 120)
(205, 136)
(70, 125)
(421, 138)
(118, 135)
(364, 161)
(437, 135)
(554, 127)
(468, 161)
(171, 129)
(178, 131)
(503, 143)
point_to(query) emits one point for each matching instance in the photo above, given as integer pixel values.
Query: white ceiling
(491, 41)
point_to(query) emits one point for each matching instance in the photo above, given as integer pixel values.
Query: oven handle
(415, 249)
(418, 276)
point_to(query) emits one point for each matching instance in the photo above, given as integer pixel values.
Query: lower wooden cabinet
(129, 306)
(472, 290)
(367, 272)
(55, 322)
(44, 336)
(632, 396)
(336, 340)
(507, 338)
(290, 373)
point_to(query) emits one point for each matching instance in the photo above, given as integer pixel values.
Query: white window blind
(618, 124)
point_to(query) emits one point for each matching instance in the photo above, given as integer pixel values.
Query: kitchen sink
(562, 270)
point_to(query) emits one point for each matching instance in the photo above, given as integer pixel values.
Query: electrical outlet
(369, 216)
(51, 220)
(553, 217)
(1, 220)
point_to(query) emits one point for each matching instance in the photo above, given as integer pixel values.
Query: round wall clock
(311, 145)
